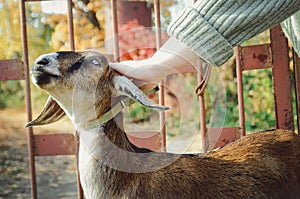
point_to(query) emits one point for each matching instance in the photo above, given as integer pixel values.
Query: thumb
(126, 70)
(117, 66)
(124, 66)
(141, 70)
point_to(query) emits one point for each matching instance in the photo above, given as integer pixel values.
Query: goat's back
(260, 165)
(270, 160)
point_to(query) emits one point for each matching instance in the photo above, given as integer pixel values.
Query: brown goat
(261, 165)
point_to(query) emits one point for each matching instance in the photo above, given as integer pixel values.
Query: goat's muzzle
(42, 78)
(43, 71)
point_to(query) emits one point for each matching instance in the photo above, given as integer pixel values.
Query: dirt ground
(56, 176)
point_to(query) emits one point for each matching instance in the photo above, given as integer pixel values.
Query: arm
(209, 29)
(172, 57)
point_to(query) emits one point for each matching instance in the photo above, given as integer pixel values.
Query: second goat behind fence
(84, 87)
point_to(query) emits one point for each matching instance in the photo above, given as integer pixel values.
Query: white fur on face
(53, 66)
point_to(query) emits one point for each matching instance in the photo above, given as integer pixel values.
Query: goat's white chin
(43, 81)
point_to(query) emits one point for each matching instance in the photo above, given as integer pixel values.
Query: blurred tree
(88, 22)
(10, 33)
(9, 29)
(11, 92)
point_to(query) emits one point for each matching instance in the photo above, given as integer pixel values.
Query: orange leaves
(53, 20)
(85, 34)
(136, 42)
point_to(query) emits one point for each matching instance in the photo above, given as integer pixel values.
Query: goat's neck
(107, 141)
(103, 155)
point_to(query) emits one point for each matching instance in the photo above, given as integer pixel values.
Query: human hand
(140, 71)
(172, 57)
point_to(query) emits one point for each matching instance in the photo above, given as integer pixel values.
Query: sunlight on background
(54, 6)
(61, 6)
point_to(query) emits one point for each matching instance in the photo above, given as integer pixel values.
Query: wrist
(174, 56)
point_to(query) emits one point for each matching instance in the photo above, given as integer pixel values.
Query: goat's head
(82, 85)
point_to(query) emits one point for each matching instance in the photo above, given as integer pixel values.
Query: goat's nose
(43, 61)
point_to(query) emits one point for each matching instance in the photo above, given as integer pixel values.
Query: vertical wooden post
(115, 30)
(71, 25)
(239, 76)
(30, 139)
(162, 89)
(297, 86)
(281, 80)
(203, 128)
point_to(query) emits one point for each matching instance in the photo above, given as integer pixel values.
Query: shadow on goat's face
(65, 71)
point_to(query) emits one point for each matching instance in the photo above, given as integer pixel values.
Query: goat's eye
(96, 62)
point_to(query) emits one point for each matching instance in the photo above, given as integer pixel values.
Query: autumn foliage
(136, 41)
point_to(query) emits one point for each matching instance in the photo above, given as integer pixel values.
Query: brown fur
(261, 165)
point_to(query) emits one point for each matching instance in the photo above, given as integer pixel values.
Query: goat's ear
(125, 87)
(51, 112)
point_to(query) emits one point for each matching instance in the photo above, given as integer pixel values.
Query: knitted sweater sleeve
(211, 28)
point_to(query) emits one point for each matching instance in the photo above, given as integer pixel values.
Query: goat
(84, 87)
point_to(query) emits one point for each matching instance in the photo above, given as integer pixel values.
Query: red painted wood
(54, 144)
(281, 80)
(147, 139)
(297, 86)
(255, 57)
(273, 55)
(129, 10)
(239, 78)
(202, 112)
(218, 137)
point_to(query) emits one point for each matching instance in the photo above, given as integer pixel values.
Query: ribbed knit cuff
(201, 37)
(291, 29)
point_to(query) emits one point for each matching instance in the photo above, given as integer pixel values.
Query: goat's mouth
(43, 77)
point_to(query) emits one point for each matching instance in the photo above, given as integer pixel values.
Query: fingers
(144, 86)
(121, 68)
(134, 70)
(187, 69)
(134, 73)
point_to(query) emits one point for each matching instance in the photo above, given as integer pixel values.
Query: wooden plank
(255, 57)
(240, 87)
(218, 137)
(281, 80)
(297, 86)
(146, 139)
(54, 144)
(11, 69)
